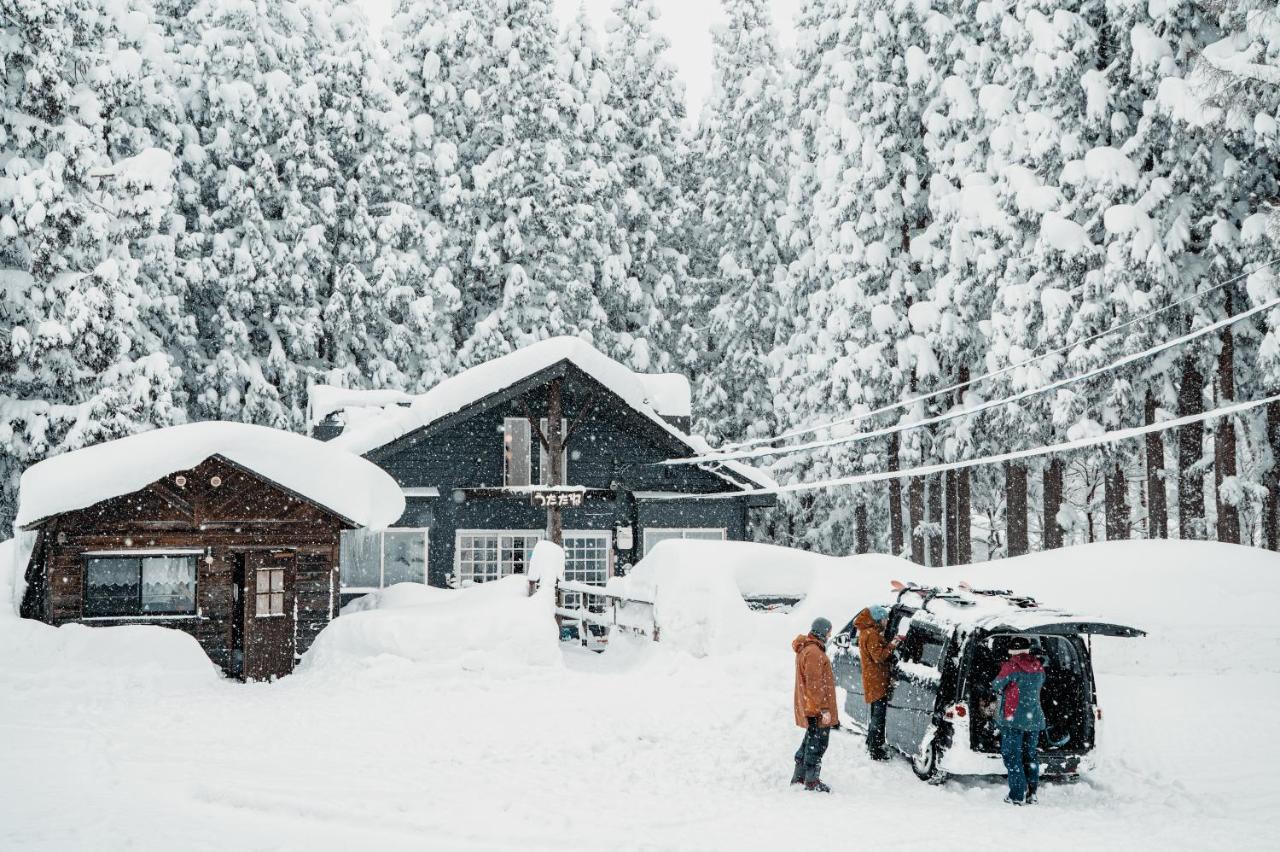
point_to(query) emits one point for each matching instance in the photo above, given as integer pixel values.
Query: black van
(941, 712)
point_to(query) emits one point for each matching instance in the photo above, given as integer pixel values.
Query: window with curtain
(516, 451)
(123, 586)
(373, 559)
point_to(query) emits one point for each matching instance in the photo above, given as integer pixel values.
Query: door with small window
(269, 613)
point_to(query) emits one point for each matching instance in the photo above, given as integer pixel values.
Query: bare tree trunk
(895, 499)
(964, 532)
(950, 522)
(1052, 503)
(1114, 486)
(1271, 517)
(935, 520)
(1157, 500)
(863, 542)
(915, 514)
(1191, 522)
(555, 450)
(1224, 436)
(1015, 485)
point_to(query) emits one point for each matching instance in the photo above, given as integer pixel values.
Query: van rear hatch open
(1057, 623)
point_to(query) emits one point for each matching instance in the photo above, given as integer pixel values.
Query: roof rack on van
(928, 594)
(1021, 601)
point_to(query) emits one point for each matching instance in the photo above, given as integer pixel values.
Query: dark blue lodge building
(474, 469)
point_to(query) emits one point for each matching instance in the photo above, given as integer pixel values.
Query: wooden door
(270, 637)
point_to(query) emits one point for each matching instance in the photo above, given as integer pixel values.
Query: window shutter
(515, 455)
(543, 464)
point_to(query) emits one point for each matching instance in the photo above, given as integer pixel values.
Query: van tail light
(1098, 712)
(956, 711)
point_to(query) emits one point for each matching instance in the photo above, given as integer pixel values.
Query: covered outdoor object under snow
(226, 531)
(941, 710)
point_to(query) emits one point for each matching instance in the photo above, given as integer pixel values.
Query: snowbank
(343, 482)
(490, 627)
(76, 653)
(1195, 599)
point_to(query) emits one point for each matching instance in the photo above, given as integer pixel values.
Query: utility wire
(977, 409)
(1112, 437)
(858, 418)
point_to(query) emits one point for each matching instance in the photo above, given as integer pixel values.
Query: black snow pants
(875, 726)
(812, 748)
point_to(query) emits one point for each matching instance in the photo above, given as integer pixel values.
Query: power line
(1112, 437)
(858, 418)
(985, 406)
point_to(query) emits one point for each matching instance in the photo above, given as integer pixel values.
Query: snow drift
(1195, 599)
(492, 626)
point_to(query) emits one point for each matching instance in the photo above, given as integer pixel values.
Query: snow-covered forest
(207, 206)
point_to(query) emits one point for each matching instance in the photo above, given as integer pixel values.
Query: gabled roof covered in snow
(329, 476)
(655, 396)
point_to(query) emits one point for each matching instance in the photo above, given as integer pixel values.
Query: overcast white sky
(686, 22)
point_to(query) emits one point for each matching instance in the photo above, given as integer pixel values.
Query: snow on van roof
(651, 395)
(989, 611)
(338, 480)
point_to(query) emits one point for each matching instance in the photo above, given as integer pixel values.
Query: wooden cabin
(233, 537)
(470, 459)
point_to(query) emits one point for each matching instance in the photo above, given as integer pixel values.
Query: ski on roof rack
(1022, 601)
(929, 593)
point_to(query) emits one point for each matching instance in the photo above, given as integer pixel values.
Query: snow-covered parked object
(137, 653)
(491, 627)
(326, 475)
(324, 400)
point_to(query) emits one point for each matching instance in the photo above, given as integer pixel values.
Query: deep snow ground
(641, 748)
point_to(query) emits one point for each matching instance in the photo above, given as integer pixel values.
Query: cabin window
(544, 458)
(123, 586)
(516, 449)
(486, 555)
(270, 591)
(653, 535)
(373, 559)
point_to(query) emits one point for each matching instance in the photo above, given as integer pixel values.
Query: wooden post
(555, 452)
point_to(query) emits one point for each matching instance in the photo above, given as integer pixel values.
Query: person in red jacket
(815, 704)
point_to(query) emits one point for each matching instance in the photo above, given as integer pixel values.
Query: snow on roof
(327, 475)
(991, 612)
(651, 395)
(323, 400)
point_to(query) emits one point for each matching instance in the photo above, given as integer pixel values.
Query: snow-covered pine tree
(648, 102)
(85, 115)
(740, 264)
(258, 189)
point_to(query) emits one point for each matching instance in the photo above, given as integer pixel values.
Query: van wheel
(926, 766)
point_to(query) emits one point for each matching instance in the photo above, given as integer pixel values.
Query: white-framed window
(653, 535)
(269, 592)
(481, 556)
(374, 559)
(516, 452)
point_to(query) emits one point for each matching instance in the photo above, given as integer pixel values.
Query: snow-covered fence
(596, 606)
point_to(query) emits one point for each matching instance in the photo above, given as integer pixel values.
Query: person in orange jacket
(877, 657)
(815, 703)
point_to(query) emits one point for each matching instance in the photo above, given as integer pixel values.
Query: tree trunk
(915, 514)
(1113, 497)
(1271, 518)
(935, 519)
(950, 524)
(555, 449)
(1015, 501)
(964, 543)
(1191, 523)
(1052, 504)
(863, 541)
(895, 499)
(1157, 500)
(1224, 437)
